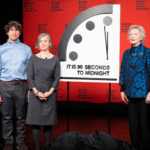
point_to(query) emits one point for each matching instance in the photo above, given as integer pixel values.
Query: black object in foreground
(95, 141)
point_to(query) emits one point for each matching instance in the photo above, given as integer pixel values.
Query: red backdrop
(52, 16)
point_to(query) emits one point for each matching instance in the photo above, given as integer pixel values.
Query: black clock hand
(107, 46)
(106, 41)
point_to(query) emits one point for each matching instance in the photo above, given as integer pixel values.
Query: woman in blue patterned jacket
(135, 87)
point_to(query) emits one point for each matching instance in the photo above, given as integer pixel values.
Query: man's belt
(14, 82)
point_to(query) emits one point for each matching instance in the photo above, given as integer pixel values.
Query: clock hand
(107, 46)
(106, 41)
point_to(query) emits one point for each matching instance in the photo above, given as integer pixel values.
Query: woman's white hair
(40, 36)
(141, 30)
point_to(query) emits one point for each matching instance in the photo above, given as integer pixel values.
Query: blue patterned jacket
(135, 71)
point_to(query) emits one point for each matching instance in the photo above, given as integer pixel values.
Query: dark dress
(43, 74)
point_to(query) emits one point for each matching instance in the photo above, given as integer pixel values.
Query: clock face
(89, 47)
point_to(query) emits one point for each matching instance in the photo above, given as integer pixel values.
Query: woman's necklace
(43, 57)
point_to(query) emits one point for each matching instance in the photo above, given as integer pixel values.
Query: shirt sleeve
(29, 55)
(56, 75)
(122, 89)
(30, 73)
(149, 85)
(122, 71)
(148, 66)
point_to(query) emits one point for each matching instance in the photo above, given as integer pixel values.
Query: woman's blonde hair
(141, 30)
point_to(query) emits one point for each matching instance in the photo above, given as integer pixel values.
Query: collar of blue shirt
(17, 42)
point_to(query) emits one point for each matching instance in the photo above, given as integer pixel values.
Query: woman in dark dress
(43, 79)
(134, 80)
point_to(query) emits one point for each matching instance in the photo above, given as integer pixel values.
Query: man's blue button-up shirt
(14, 60)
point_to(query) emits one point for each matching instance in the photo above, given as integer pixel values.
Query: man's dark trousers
(14, 98)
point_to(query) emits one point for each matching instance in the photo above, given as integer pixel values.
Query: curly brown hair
(15, 24)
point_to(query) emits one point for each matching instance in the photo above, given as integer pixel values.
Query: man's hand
(124, 98)
(28, 97)
(147, 99)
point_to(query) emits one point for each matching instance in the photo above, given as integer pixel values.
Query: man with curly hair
(14, 58)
